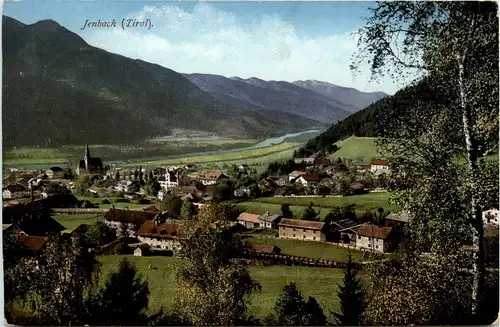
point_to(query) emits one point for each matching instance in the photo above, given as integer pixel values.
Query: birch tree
(454, 45)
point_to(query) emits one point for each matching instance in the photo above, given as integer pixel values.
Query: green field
(309, 249)
(118, 205)
(246, 156)
(363, 202)
(359, 149)
(65, 154)
(317, 282)
(73, 221)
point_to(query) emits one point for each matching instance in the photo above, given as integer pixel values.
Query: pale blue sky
(270, 40)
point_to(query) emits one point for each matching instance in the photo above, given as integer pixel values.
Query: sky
(284, 41)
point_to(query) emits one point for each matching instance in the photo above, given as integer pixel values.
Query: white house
(169, 180)
(491, 216)
(160, 236)
(380, 166)
(126, 186)
(369, 236)
(132, 220)
(294, 174)
(307, 178)
(55, 172)
(14, 191)
(269, 221)
(249, 220)
(211, 177)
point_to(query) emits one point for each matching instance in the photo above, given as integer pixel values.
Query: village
(150, 205)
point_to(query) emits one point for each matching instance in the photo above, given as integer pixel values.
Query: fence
(76, 211)
(269, 259)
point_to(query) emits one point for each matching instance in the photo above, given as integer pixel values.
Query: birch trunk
(478, 269)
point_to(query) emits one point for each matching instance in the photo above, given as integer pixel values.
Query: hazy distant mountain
(59, 90)
(351, 96)
(256, 94)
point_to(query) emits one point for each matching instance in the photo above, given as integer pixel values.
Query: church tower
(87, 158)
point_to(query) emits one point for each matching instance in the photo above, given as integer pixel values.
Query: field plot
(359, 149)
(73, 221)
(320, 283)
(362, 202)
(250, 156)
(27, 156)
(309, 249)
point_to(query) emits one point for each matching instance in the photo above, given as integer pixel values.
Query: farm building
(132, 220)
(269, 221)
(374, 238)
(160, 236)
(249, 220)
(302, 230)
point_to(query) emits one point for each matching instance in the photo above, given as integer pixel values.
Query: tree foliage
(213, 286)
(285, 211)
(352, 297)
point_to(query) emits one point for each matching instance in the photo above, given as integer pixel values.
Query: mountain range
(58, 90)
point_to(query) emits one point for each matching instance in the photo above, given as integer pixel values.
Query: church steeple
(87, 158)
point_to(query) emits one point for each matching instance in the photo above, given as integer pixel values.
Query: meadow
(308, 249)
(251, 156)
(322, 205)
(320, 283)
(73, 221)
(358, 149)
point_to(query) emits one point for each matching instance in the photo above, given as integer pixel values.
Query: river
(267, 142)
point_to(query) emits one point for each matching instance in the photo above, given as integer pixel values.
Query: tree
(213, 288)
(99, 234)
(152, 187)
(124, 230)
(67, 273)
(124, 298)
(461, 68)
(224, 190)
(188, 210)
(285, 211)
(292, 310)
(117, 176)
(172, 204)
(335, 214)
(310, 213)
(352, 297)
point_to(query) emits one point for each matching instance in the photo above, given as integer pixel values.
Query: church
(89, 165)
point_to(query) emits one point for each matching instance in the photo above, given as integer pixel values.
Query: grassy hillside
(320, 283)
(359, 149)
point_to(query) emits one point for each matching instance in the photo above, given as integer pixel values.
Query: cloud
(212, 41)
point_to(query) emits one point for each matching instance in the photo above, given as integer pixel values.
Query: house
(126, 187)
(344, 230)
(294, 175)
(211, 177)
(34, 218)
(302, 230)
(491, 216)
(243, 168)
(97, 190)
(307, 161)
(308, 178)
(322, 162)
(269, 221)
(380, 166)
(169, 180)
(373, 237)
(11, 229)
(242, 191)
(33, 244)
(142, 249)
(159, 171)
(249, 220)
(397, 219)
(357, 188)
(363, 168)
(90, 165)
(14, 191)
(264, 248)
(130, 219)
(55, 172)
(160, 236)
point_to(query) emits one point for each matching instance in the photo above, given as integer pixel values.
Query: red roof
(165, 230)
(305, 224)
(379, 162)
(370, 230)
(211, 175)
(34, 243)
(249, 217)
(310, 177)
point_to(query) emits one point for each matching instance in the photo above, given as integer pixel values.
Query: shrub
(122, 201)
(105, 201)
